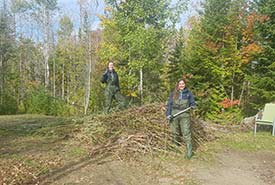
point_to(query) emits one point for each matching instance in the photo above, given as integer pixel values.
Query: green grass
(76, 151)
(263, 141)
(25, 125)
(191, 182)
(36, 144)
(245, 142)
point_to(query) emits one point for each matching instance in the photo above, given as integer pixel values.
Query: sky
(70, 7)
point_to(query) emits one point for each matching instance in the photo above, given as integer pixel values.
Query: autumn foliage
(251, 47)
(226, 103)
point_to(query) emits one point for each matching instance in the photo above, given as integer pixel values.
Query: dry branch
(138, 130)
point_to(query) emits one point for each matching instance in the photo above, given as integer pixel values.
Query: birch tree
(42, 13)
(87, 17)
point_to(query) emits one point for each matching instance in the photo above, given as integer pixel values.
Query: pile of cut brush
(137, 130)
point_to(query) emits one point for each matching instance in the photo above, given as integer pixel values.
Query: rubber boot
(189, 152)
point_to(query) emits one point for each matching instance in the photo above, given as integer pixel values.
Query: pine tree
(215, 60)
(176, 62)
(263, 66)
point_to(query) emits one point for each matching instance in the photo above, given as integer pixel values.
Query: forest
(51, 63)
(53, 125)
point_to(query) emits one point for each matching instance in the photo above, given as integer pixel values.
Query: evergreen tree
(263, 66)
(215, 60)
(176, 62)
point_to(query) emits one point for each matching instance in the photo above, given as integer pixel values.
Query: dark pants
(111, 93)
(181, 126)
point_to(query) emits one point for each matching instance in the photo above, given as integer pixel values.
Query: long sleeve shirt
(185, 94)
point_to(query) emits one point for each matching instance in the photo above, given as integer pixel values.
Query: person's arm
(104, 77)
(192, 102)
(169, 105)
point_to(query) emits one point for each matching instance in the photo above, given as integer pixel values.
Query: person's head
(111, 66)
(181, 85)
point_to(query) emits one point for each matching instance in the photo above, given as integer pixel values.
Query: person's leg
(108, 100)
(121, 100)
(175, 128)
(186, 132)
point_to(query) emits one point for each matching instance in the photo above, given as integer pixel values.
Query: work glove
(169, 118)
(106, 71)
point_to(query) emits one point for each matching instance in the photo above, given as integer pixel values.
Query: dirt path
(238, 168)
(229, 168)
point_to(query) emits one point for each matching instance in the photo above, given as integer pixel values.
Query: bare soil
(229, 167)
(238, 168)
(45, 150)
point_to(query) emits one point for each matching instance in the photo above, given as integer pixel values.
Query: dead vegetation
(139, 130)
(32, 147)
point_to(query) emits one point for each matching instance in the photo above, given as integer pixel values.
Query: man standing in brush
(179, 100)
(112, 91)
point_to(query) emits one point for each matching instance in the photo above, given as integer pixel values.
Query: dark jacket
(186, 94)
(111, 78)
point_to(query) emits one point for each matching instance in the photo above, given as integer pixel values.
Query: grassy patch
(245, 142)
(75, 152)
(191, 182)
(31, 145)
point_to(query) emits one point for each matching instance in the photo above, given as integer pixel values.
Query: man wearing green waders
(181, 99)
(112, 91)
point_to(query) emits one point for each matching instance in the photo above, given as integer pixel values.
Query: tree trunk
(141, 85)
(232, 93)
(46, 48)
(232, 86)
(21, 77)
(63, 83)
(88, 75)
(1, 78)
(68, 88)
(241, 95)
(54, 93)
